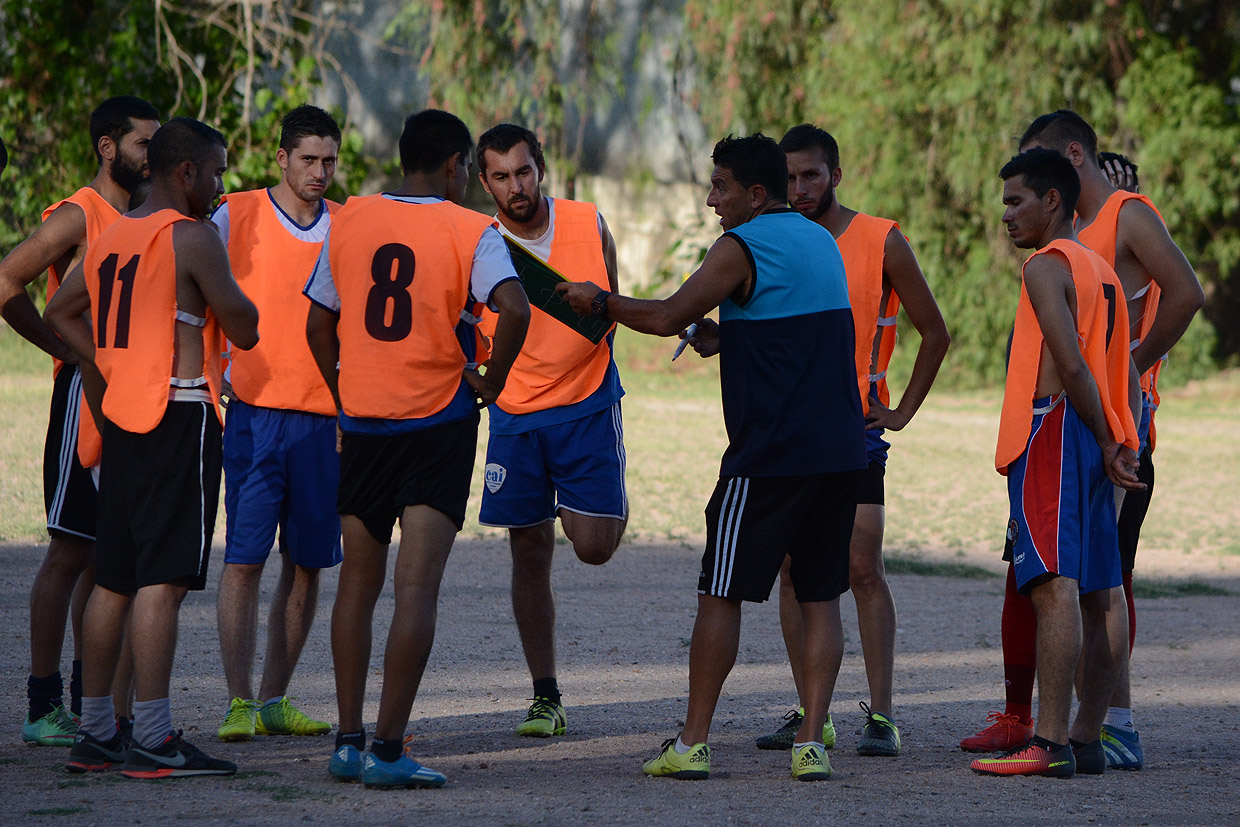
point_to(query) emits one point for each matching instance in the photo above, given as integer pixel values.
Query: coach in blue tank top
(796, 438)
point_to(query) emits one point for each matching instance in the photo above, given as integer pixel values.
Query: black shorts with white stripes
(158, 496)
(753, 522)
(69, 493)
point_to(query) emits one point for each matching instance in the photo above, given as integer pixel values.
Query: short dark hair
(1044, 170)
(431, 137)
(307, 121)
(1059, 128)
(1122, 160)
(807, 136)
(180, 140)
(505, 136)
(753, 160)
(4, 156)
(114, 119)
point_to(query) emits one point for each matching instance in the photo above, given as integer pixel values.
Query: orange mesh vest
(558, 366)
(862, 247)
(1101, 237)
(402, 273)
(1102, 334)
(99, 216)
(131, 275)
(271, 267)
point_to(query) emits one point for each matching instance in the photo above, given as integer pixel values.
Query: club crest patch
(494, 475)
(1013, 530)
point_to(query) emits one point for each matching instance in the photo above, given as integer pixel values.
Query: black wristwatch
(598, 307)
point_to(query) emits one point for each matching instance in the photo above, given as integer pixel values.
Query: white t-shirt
(541, 246)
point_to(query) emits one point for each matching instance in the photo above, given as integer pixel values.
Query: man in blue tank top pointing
(796, 444)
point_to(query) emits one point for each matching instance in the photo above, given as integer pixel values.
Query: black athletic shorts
(69, 493)
(381, 475)
(871, 490)
(752, 523)
(1132, 513)
(158, 495)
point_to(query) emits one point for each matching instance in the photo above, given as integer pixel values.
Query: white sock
(680, 746)
(803, 744)
(1117, 717)
(99, 718)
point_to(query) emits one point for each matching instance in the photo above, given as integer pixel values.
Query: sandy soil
(623, 648)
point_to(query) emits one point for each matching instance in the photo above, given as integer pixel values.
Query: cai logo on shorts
(494, 476)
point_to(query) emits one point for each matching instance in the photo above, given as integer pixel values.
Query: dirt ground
(623, 651)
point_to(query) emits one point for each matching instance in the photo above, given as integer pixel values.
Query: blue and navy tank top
(789, 380)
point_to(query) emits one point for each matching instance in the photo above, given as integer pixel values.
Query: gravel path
(623, 651)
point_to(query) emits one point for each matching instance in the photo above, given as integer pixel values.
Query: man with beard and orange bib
(556, 444)
(120, 129)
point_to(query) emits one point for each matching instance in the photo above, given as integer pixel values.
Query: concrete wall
(645, 156)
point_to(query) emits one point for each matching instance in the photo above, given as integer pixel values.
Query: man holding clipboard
(556, 436)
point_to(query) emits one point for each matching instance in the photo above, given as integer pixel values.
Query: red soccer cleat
(1006, 733)
(1031, 759)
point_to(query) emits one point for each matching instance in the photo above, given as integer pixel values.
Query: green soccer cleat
(544, 719)
(694, 765)
(55, 729)
(810, 763)
(282, 718)
(879, 736)
(785, 736)
(239, 722)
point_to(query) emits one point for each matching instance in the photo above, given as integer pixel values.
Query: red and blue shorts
(1062, 503)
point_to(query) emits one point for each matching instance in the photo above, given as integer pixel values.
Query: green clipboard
(539, 280)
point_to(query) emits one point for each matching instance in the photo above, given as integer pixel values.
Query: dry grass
(944, 499)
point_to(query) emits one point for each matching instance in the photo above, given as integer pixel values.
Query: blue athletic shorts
(876, 447)
(1062, 503)
(281, 470)
(577, 466)
(1143, 427)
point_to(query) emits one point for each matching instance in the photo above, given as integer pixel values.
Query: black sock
(387, 749)
(75, 689)
(1039, 741)
(547, 688)
(357, 740)
(44, 693)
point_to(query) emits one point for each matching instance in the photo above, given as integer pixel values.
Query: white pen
(680, 348)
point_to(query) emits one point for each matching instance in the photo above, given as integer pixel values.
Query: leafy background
(925, 96)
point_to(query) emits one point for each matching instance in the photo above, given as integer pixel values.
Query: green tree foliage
(234, 64)
(928, 97)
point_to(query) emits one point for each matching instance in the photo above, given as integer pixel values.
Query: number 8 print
(392, 271)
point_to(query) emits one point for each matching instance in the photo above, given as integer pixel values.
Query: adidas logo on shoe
(699, 756)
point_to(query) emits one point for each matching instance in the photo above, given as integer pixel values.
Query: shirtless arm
(724, 270)
(199, 248)
(1048, 284)
(902, 272)
(1143, 233)
(55, 240)
(325, 346)
(609, 256)
(66, 315)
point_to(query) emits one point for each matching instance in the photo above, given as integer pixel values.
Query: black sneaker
(125, 725)
(89, 754)
(783, 737)
(1090, 758)
(879, 736)
(174, 758)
